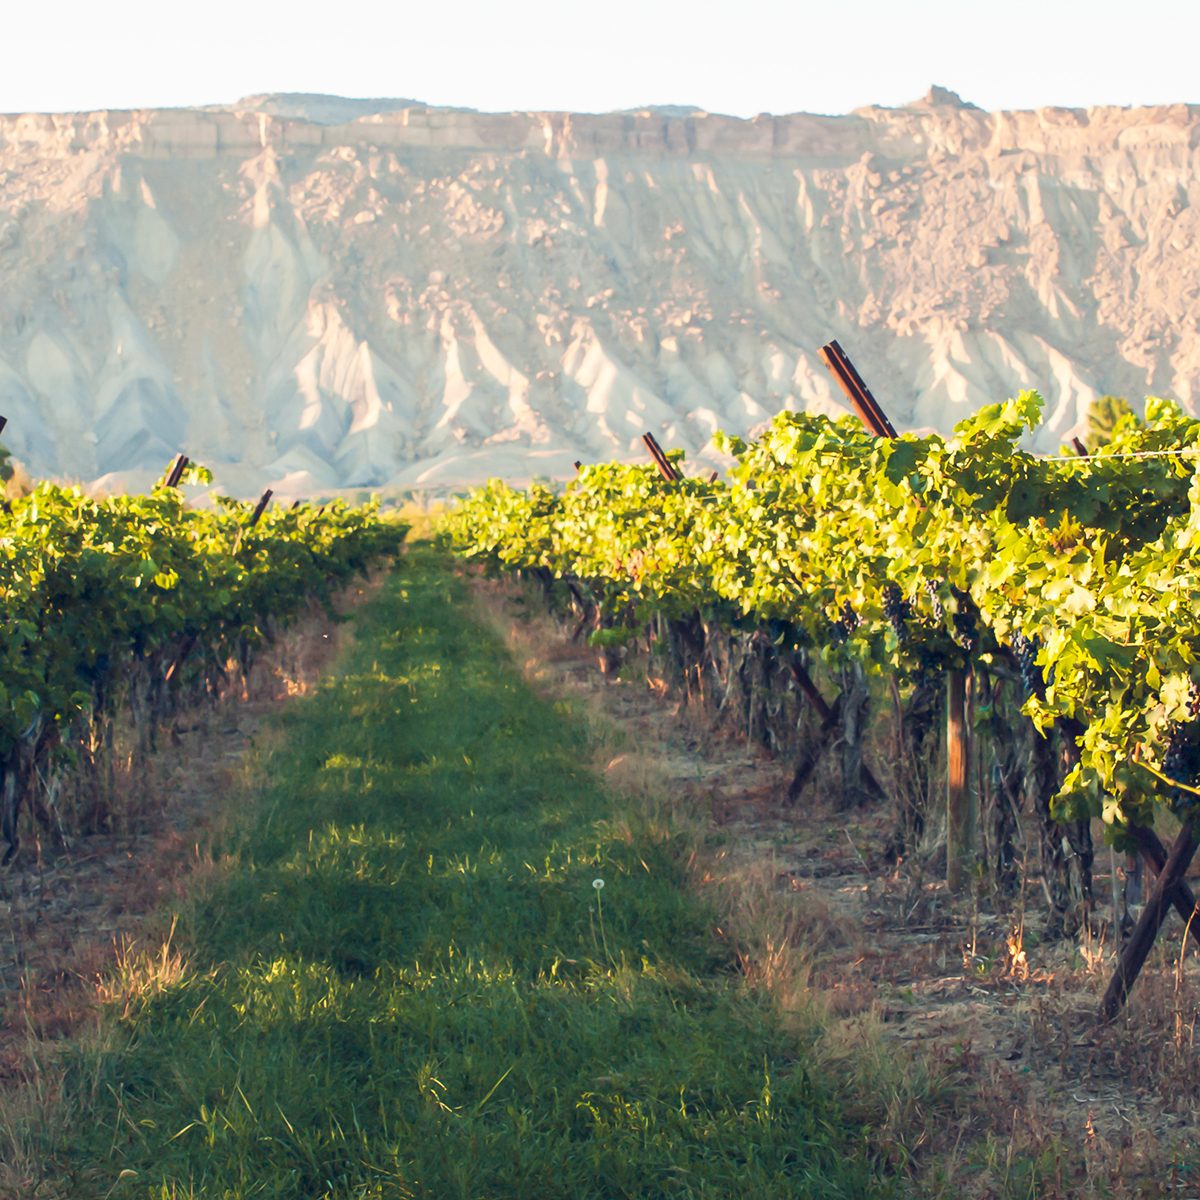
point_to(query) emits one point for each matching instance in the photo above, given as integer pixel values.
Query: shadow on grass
(408, 985)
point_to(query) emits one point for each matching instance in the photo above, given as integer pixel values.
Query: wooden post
(1182, 897)
(960, 811)
(665, 467)
(264, 500)
(807, 763)
(857, 392)
(1141, 941)
(960, 831)
(831, 718)
(175, 474)
(255, 517)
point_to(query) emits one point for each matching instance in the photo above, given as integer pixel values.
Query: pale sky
(736, 56)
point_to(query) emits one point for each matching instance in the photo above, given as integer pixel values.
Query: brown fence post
(1182, 897)
(175, 474)
(1137, 949)
(255, 517)
(665, 467)
(261, 508)
(960, 824)
(857, 392)
(960, 810)
(875, 419)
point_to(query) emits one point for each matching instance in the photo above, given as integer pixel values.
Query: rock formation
(319, 293)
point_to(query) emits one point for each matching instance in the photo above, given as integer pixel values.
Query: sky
(735, 56)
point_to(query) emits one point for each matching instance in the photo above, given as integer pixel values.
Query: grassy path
(408, 985)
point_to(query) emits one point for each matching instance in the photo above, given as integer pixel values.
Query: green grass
(406, 986)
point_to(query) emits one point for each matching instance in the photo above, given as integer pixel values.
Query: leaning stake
(264, 500)
(175, 474)
(876, 421)
(666, 468)
(1137, 949)
(851, 382)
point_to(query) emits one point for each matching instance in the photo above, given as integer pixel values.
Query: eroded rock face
(322, 293)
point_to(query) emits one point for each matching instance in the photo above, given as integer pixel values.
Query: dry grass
(137, 975)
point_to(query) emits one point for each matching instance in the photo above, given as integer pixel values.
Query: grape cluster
(895, 608)
(782, 633)
(844, 625)
(1182, 759)
(935, 600)
(966, 633)
(1025, 650)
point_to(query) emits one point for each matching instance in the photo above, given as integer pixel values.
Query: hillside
(318, 293)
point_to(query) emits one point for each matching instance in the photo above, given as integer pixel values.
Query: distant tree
(7, 466)
(1104, 415)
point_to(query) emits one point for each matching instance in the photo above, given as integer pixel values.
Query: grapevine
(1099, 555)
(138, 600)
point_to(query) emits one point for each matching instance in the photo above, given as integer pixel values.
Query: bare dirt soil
(1004, 1083)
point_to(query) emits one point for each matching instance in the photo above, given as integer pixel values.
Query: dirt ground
(999, 1079)
(1031, 1095)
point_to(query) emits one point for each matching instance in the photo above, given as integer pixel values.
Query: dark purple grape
(895, 608)
(935, 601)
(1181, 762)
(966, 633)
(1025, 650)
(850, 619)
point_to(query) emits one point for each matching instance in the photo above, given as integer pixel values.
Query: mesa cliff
(320, 294)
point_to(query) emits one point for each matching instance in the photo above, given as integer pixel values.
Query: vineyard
(442, 946)
(122, 611)
(1027, 625)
